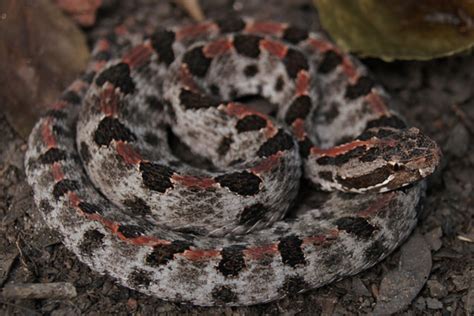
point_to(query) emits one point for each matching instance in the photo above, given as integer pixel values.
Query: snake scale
(253, 223)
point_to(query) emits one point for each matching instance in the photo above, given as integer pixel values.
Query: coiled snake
(253, 225)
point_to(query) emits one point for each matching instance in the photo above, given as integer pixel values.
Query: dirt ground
(431, 274)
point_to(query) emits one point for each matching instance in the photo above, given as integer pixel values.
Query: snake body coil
(248, 228)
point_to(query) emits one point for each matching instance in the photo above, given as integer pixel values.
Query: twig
(193, 8)
(58, 290)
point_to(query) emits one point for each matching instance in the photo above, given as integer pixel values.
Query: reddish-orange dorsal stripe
(200, 254)
(349, 70)
(217, 47)
(298, 129)
(334, 151)
(271, 28)
(146, 241)
(267, 164)
(375, 207)
(128, 153)
(187, 79)
(378, 105)
(302, 83)
(321, 45)
(58, 105)
(57, 171)
(273, 47)
(191, 181)
(109, 100)
(74, 199)
(192, 31)
(314, 240)
(259, 252)
(139, 55)
(47, 134)
(239, 110)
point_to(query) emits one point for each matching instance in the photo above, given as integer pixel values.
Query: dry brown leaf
(41, 52)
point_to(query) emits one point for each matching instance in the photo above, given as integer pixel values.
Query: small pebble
(433, 303)
(436, 289)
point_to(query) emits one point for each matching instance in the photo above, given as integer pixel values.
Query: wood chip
(58, 290)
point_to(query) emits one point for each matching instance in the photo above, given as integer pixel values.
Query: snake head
(409, 154)
(381, 159)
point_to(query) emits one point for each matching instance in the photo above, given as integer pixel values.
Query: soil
(431, 274)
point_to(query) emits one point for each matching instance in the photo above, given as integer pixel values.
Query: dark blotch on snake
(151, 139)
(247, 45)
(387, 121)
(290, 250)
(131, 231)
(279, 83)
(293, 285)
(45, 206)
(299, 108)
(370, 155)
(215, 91)
(64, 186)
(88, 76)
(330, 61)
(224, 146)
(197, 62)
(362, 87)
(281, 141)
(162, 42)
(252, 214)
(85, 152)
(305, 147)
(137, 206)
(156, 177)
(232, 261)
(295, 34)
(223, 294)
(243, 183)
(230, 24)
(92, 240)
(375, 251)
(325, 175)
(52, 155)
(90, 208)
(119, 76)
(295, 61)
(250, 123)
(375, 177)
(250, 70)
(191, 100)
(111, 129)
(57, 114)
(341, 159)
(140, 278)
(162, 254)
(61, 131)
(332, 113)
(357, 226)
(376, 132)
(154, 103)
(71, 97)
(103, 55)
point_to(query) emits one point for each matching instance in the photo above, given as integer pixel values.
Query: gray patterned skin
(105, 177)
